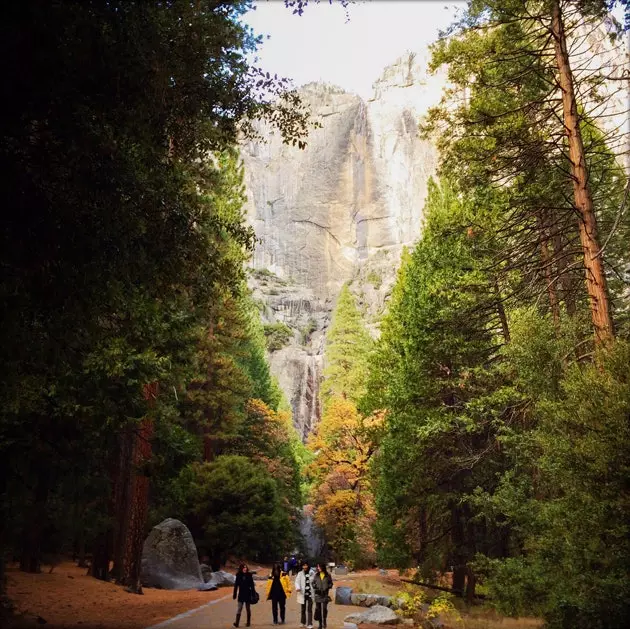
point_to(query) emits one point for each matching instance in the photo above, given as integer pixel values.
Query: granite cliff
(342, 209)
(339, 211)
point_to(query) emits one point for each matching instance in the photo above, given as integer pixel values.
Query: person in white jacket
(304, 591)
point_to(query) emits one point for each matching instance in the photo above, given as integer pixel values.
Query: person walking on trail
(304, 589)
(322, 584)
(245, 590)
(278, 590)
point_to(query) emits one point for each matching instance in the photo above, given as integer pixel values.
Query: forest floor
(69, 599)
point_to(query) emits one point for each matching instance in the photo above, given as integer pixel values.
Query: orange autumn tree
(344, 442)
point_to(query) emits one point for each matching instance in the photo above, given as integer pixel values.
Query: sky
(323, 45)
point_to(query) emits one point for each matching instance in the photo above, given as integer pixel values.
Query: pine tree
(441, 389)
(348, 344)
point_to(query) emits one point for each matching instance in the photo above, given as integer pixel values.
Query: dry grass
(375, 585)
(477, 617)
(486, 618)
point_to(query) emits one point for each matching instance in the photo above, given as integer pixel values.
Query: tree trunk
(101, 555)
(139, 506)
(459, 556)
(31, 557)
(505, 328)
(545, 257)
(121, 499)
(565, 281)
(81, 562)
(132, 522)
(596, 284)
(471, 582)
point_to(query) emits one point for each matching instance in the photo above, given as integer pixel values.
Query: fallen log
(440, 588)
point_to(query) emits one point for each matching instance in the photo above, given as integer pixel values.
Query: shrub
(277, 335)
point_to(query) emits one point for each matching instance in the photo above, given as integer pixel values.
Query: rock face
(342, 209)
(169, 558)
(339, 211)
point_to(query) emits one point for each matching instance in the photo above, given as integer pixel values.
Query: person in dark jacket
(246, 592)
(278, 590)
(322, 584)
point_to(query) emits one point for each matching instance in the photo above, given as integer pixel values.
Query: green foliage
(307, 330)
(278, 335)
(123, 249)
(434, 371)
(375, 278)
(233, 507)
(347, 346)
(573, 520)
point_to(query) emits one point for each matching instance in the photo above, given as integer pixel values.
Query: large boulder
(376, 615)
(169, 558)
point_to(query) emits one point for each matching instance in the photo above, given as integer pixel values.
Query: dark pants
(275, 603)
(323, 613)
(308, 604)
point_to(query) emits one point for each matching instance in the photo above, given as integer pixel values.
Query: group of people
(291, 565)
(311, 585)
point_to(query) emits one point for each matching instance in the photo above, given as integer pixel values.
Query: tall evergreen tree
(122, 233)
(445, 397)
(347, 345)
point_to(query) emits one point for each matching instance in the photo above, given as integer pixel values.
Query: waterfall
(306, 404)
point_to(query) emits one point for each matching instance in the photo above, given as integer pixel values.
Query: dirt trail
(221, 613)
(68, 599)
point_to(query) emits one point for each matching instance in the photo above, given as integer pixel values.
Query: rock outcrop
(169, 558)
(339, 211)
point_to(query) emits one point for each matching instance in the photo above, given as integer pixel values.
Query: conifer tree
(347, 346)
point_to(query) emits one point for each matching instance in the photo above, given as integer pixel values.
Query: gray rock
(207, 587)
(340, 571)
(383, 573)
(169, 558)
(222, 579)
(206, 572)
(349, 625)
(377, 615)
(342, 596)
(369, 600)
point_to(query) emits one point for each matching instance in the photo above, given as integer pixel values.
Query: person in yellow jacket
(278, 590)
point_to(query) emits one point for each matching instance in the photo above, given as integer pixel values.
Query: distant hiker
(246, 591)
(278, 590)
(285, 564)
(292, 565)
(322, 584)
(304, 589)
